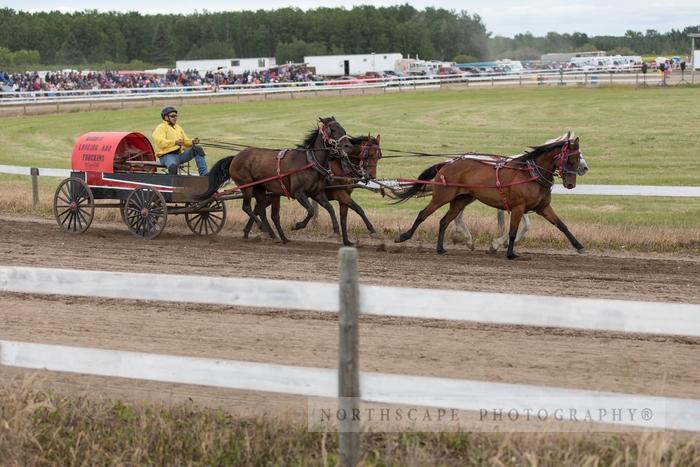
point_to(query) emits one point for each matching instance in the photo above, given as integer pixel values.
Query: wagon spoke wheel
(73, 205)
(145, 212)
(209, 220)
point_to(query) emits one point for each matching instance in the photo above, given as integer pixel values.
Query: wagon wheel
(209, 220)
(73, 205)
(146, 212)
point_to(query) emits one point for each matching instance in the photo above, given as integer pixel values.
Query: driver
(172, 145)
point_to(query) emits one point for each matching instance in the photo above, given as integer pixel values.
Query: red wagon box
(122, 167)
(113, 151)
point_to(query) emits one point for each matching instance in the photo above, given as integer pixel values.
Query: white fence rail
(421, 391)
(524, 310)
(19, 170)
(594, 190)
(527, 78)
(611, 315)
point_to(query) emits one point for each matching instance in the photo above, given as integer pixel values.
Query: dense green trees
(287, 34)
(651, 42)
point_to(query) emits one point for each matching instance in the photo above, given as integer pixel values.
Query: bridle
(561, 168)
(563, 157)
(366, 163)
(334, 145)
(331, 145)
(361, 169)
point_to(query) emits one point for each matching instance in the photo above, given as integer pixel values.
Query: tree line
(651, 42)
(287, 34)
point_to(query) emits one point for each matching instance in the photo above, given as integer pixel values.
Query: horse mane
(536, 151)
(309, 139)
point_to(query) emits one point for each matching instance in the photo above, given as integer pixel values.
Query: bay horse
(518, 185)
(296, 173)
(360, 165)
(502, 239)
(363, 159)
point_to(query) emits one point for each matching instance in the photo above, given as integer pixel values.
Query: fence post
(349, 428)
(35, 185)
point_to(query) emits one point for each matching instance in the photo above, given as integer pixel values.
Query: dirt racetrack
(599, 361)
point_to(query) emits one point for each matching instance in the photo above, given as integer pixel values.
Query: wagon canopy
(111, 151)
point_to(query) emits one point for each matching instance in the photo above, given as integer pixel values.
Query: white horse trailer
(235, 65)
(338, 65)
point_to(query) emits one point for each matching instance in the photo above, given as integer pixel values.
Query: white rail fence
(481, 307)
(421, 391)
(527, 310)
(350, 85)
(580, 190)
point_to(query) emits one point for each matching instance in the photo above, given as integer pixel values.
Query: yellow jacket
(164, 137)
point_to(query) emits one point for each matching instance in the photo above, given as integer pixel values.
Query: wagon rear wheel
(145, 212)
(73, 205)
(209, 220)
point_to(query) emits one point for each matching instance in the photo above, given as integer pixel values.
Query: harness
(499, 163)
(312, 162)
(359, 170)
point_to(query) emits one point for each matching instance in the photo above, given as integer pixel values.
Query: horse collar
(311, 159)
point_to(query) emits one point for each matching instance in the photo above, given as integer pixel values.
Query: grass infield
(629, 136)
(46, 428)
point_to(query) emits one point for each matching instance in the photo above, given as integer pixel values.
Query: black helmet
(167, 110)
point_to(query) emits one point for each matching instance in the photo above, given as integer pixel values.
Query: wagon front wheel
(208, 220)
(73, 205)
(145, 212)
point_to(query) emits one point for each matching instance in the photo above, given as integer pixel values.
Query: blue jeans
(173, 160)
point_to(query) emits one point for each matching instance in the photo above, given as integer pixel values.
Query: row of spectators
(92, 80)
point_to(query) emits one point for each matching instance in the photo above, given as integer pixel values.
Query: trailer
(235, 65)
(120, 170)
(357, 64)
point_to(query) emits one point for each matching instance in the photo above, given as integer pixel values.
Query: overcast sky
(501, 17)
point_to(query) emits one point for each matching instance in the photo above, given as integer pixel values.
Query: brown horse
(361, 164)
(297, 173)
(519, 185)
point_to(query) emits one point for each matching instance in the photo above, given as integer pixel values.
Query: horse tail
(415, 188)
(217, 176)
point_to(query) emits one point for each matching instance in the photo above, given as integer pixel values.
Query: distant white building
(338, 65)
(236, 65)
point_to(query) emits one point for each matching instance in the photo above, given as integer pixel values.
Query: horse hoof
(512, 256)
(375, 235)
(348, 244)
(582, 251)
(297, 227)
(471, 246)
(441, 251)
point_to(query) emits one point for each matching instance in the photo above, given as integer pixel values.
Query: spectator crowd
(92, 80)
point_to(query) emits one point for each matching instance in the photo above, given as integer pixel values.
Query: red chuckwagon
(122, 167)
